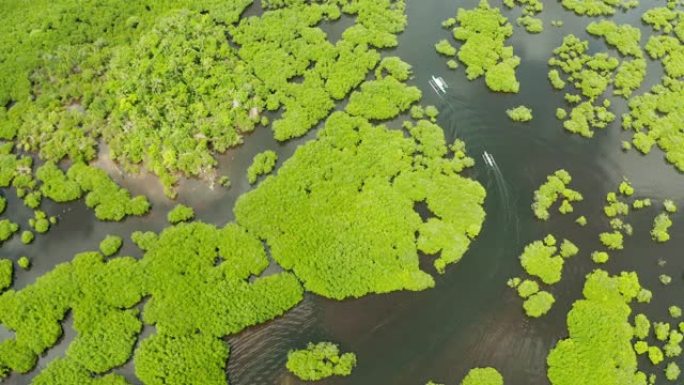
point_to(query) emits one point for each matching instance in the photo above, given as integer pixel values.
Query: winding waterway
(471, 318)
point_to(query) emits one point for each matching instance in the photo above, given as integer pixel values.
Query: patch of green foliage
(655, 355)
(598, 349)
(642, 326)
(26, 237)
(262, 164)
(591, 75)
(600, 256)
(180, 213)
(483, 376)
(167, 85)
(598, 7)
(549, 192)
(320, 360)
(68, 371)
(382, 99)
(540, 259)
(654, 118)
(661, 330)
(483, 31)
(527, 287)
(186, 359)
(675, 311)
(669, 206)
(355, 178)
(661, 224)
(614, 206)
(7, 229)
(24, 262)
(612, 240)
(6, 272)
(520, 114)
(672, 371)
(568, 249)
(531, 24)
(40, 222)
(206, 271)
(538, 304)
(110, 245)
(110, 202)
(665, 279)
(445, 48)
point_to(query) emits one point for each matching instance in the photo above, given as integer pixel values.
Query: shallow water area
(471, 318)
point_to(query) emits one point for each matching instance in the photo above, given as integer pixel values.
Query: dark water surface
(471, 318)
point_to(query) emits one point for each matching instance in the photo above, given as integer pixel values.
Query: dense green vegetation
(263, 163)
(356, 178)
(520, 114)
(661, 224)
(483, 31)
(165, 89)
(555, 187)
(6, 272)
(543, 259)
(540, 259)
(538, 304)
(195, 267)
(180, 213)
(483, 376)
(598, 7)
(320, 360)
(110, 245)
(598, 349)
(24, 262)
(530, 9)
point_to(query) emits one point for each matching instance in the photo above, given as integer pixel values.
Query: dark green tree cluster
(483, 376)
(555, 187)
(6, 273)
(187, 359)
(340, 213)
(195, 267)
(320, 360)
(110, 202)
(592, 75)
(598, 7)
(56, 185)
(7, 229)
(531, 8)
(544, 260)
(181, 92)
(262, 163)
(110, 245)
(305, 73)
(162, 84)
(598, 349)
(52, 96)
(68, 371)
(180, 213)
(520, 114)
(655, 116)
(382, 99)
(483, 31)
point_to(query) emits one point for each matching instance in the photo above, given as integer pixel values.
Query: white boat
(438, 84)
(489, 159)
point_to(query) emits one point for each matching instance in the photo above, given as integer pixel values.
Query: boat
(438, 84)
(489, 159)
